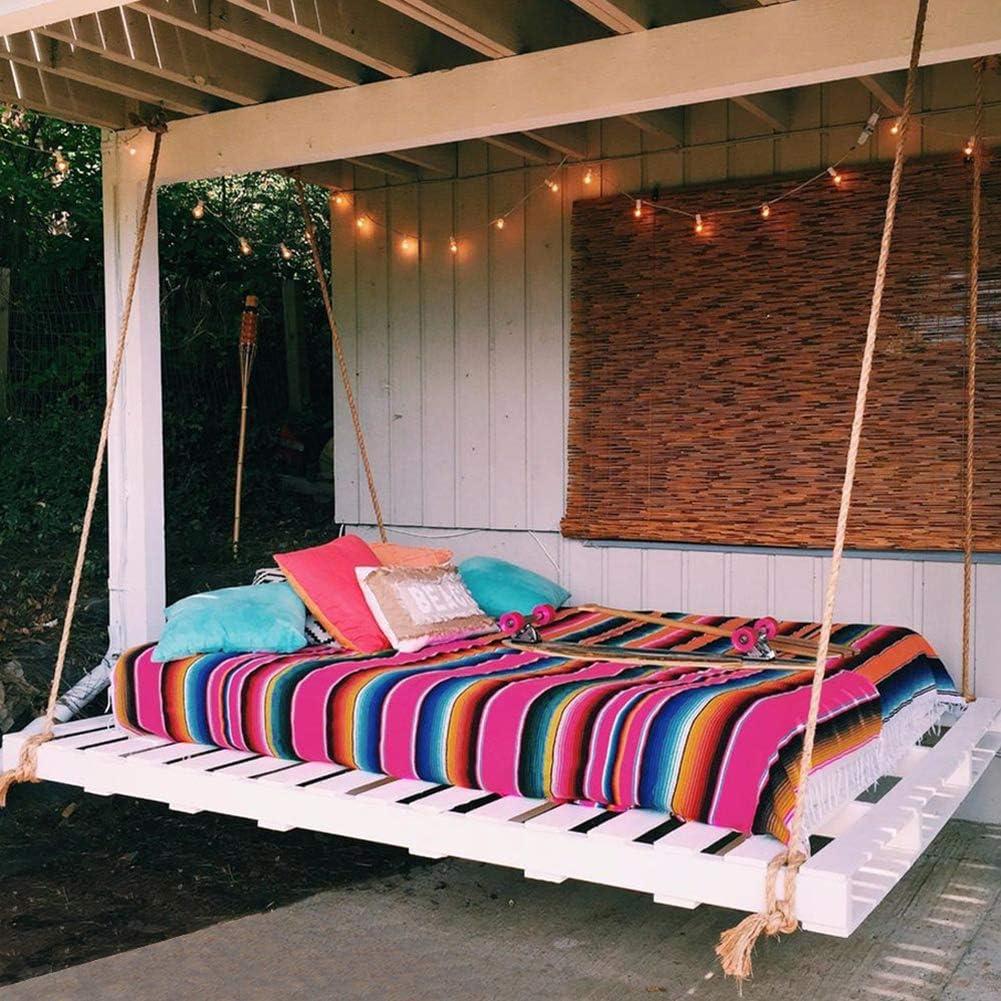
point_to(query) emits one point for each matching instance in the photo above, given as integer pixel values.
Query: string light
(245, 248)
(552, 185)
(895, 128)
(835, 176)
(971, 145)
(453, 245)
(499, 222)
(361, 222)
(867, 130)
(766, 210)
(407, 245)
(340, 199)
(588, 176)
(132, 151)
(638, 208)
(286, 254)
(698, 222)
(198, 210)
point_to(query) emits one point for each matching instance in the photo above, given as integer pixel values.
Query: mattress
(686, 738)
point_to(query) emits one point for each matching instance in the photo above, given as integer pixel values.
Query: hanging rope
(737, 944)
(342, 364)
(979, 66)
(26, 769)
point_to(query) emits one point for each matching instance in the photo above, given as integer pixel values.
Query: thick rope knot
(26, 769)
(736, 945)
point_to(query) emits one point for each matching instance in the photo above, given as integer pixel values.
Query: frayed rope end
(26, 769)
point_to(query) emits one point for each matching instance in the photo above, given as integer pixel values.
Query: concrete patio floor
(463, 930)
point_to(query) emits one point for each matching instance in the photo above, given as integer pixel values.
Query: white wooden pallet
(872, 844)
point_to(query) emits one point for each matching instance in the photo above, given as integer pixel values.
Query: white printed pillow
(415, 606)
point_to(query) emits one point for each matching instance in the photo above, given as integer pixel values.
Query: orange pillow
(392, 555)
(324, 577)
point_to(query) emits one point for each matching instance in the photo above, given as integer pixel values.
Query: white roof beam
(774, 109)
(84, 66)
(127, 38)
(519, 145)
(52, 95)
(773, 48)
(887, 88)
(23, 15)
(621, 16)
(668, 122)
(387, 165)
(437, 159)
(570, 140)
(365, 31)
(232, 26)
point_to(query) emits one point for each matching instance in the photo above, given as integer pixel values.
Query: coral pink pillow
(324, 577)
(392, 555)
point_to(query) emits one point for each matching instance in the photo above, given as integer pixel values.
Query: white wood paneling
(461, 361)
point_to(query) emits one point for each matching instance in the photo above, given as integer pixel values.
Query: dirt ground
(84, 876)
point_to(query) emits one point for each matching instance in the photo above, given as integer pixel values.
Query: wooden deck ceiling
(192, 57)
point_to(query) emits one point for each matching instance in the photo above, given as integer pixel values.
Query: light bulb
(452, 245)
(638, 208)
(971, 145)
(895, 127)
(132, 151)
(245, 248)
(407, 245)
(552, 185)
(361, 222)
(340, 199)
(588, 176)
(283, 249)
(198, 209)
(766, 210)
(698, 223)
(499, 222)
(835, 176)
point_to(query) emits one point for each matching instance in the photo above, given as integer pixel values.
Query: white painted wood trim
(684, 865)
(749, 52)
(136, 574)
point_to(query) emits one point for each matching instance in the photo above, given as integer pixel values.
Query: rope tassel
(26, 769)
(779, 916)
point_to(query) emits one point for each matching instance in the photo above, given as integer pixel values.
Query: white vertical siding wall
(460, 365)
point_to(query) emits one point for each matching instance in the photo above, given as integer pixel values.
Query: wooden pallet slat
(684, 864)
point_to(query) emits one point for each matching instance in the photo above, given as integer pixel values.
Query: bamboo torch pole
(248, 348)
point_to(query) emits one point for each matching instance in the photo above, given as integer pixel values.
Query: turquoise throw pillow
(234, 620)
(499, 586)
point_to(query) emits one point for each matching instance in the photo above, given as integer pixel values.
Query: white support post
(136, 581)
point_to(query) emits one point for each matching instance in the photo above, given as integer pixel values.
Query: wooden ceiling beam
(774, 109)
(365, 31)
(520, 145)
(47, 94)
(887, 88)
(570, 140)
(231, 25)
(670, 123)
(717, 58)
(388, 165)
(24, 15)
(84, 66)
(620, 16)
(127, 38)
(501, 28)
(437, 159)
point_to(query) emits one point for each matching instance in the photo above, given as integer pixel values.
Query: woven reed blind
(712, 377)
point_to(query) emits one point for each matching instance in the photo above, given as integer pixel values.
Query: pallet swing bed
(824, 860)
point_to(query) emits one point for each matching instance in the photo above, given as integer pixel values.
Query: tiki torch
(248, 349)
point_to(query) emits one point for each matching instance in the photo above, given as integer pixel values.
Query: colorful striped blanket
(694, 740)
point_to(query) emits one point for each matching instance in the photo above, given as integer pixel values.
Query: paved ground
(462, 930)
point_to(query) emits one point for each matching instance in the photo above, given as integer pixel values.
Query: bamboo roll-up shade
(712, 376)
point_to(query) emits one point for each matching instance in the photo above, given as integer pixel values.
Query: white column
(136, 582)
